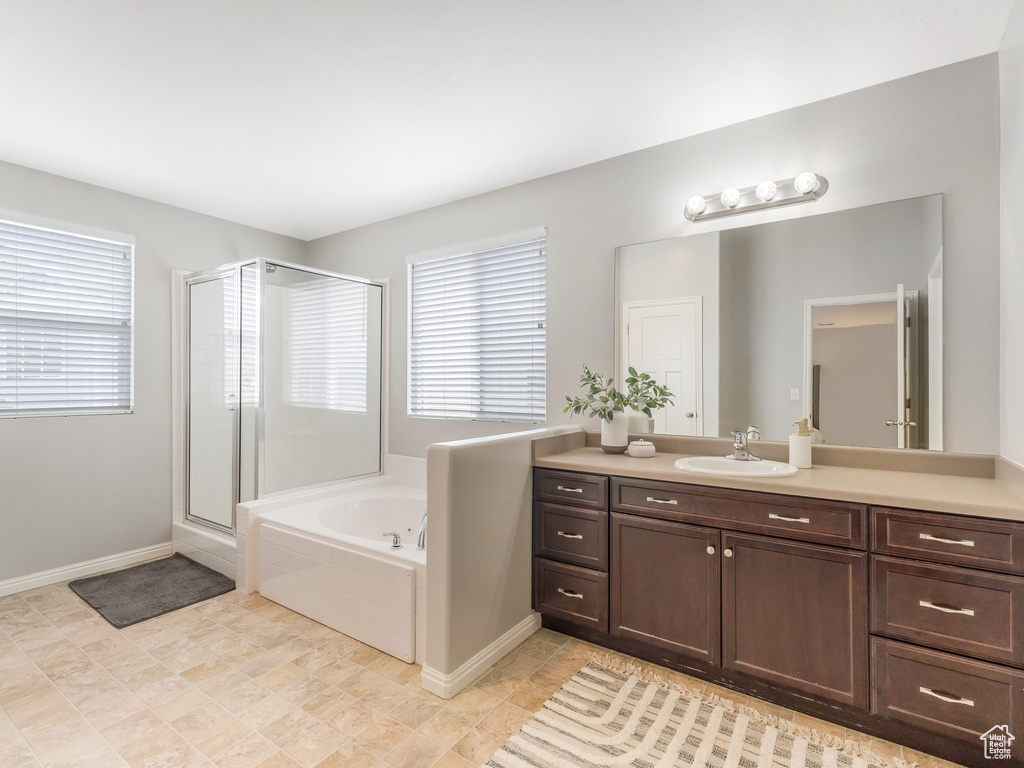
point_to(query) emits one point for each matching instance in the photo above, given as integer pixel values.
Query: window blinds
(65, 323)
(477, 339)
(326, 345)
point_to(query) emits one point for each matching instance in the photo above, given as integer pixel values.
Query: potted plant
(643, 394)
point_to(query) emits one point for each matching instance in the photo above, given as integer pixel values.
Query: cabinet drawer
(581, 490)
(943, 693)
(579, 595)
(571, 535)
(994, 545)
(825, 522)
(981, 614)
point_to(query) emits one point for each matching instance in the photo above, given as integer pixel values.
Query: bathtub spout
(421, 541)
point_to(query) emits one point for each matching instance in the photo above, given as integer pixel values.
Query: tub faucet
(421, 541)
(396, 542)
(740, 452)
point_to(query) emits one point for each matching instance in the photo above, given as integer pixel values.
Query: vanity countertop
(958, 494)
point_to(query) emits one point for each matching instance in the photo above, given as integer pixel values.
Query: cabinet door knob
(711, 550)
(727, 552)
(689, 414)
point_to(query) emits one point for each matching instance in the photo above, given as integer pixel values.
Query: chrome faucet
(396, 542)
(753, 433)
(740, 452)
(421, 541)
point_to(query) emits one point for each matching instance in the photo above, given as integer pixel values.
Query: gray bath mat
(152, 589)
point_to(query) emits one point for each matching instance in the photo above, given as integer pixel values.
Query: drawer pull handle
(570, 593)
(961, 542)
(570, 490)
(949, 698)
(662, 501)
(945, 608)
(570, 535)
(773, 516)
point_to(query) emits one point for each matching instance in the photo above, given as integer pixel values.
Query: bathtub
(327, 558)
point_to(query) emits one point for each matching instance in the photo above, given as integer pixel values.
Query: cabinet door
(665, 585)
(796, 614)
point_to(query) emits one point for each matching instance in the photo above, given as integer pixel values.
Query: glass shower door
(213, 399)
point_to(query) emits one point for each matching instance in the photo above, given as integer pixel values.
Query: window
(477, 338)
(65, 323)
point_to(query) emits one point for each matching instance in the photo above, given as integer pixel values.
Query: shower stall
(283, 374)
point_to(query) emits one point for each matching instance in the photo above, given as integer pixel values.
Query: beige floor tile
(417, 751)
(303, 690)
(361, 683)
(315, 658)
(473, 704)
(265, 711)
(283, 676)
(200, 719)
(506, 719)
(111, 649)
(106, 760)
(69, 743)
(388, 696)
(446, 728)
(383, 736)
(350, 755)
(325, 705)
(261, 665)
(529, 696)
(416, 711)
(206, 670)
(388, 666)
(365, 655)
(336, 670)
(453, 760)
(295, 648)
(221, 736)
(131, 728)
(280, 760)
(286, 729)
(315, 745)
(499, 683)
(15, 752)
(354, 719)
(179, 756)
(243, 696)
(550, 678)
(40, 711)
(246, 753)
(223, 683)
(150, 744)
(519, 664)
(344, 645)
(479, 744)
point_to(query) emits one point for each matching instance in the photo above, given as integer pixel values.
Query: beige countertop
(954, 493)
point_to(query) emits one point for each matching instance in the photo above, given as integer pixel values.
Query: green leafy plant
(643, 394)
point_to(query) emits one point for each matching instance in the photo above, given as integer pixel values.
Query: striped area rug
(612, 714)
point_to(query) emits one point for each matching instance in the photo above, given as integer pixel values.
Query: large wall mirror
(835, 317)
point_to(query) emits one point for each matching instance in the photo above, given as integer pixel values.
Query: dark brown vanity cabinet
(665, 585)
(796, 614)
(947, 615)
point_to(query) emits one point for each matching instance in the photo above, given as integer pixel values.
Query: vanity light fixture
(805, 188)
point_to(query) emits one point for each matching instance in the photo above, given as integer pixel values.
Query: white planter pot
(615, 433)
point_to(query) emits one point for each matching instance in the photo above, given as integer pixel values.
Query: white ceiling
(308, 117)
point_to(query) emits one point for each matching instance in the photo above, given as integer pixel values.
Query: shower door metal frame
(234, 270)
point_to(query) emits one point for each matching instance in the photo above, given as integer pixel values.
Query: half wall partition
(284, 382)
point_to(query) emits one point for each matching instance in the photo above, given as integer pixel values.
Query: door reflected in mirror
(835, 317)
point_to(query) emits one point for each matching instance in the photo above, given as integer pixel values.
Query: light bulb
(766, 191)
(731, 197)
(806, 183)
(695, 205)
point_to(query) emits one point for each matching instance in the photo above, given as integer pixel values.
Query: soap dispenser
(800, 445)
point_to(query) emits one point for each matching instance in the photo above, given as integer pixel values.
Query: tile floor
(241, 682)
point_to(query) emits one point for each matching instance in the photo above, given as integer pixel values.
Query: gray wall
(77, 488)
(1011, 84)
(937, 132)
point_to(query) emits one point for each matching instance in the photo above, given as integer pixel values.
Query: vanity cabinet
(947, 619)
(904, 624)
(665, 585)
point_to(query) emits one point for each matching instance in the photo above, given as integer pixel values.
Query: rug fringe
(851, 747)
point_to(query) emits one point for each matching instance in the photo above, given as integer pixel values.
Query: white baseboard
(88, 568)
(446, 686)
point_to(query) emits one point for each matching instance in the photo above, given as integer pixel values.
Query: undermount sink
(721, 465)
